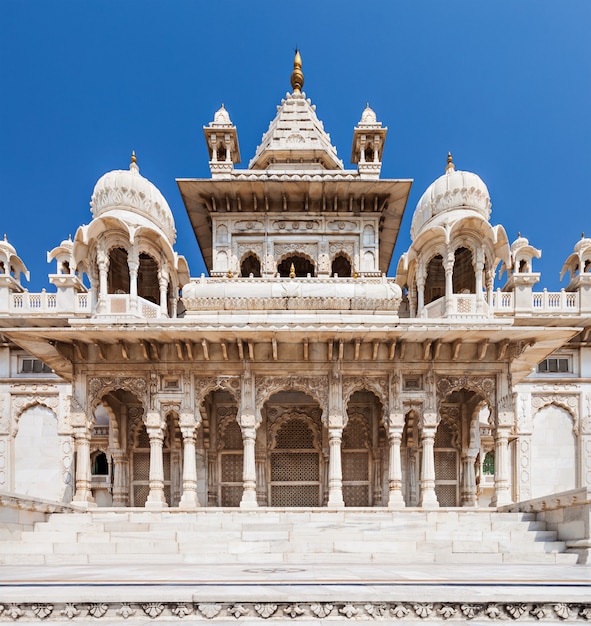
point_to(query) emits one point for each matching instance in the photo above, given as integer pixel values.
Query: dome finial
(297, 77)
(450, 164)
(133, 166)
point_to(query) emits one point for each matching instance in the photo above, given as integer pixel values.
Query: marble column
(83, 494)
(163, 286)
(156, 499)
(120, 478)
(335, 472)
(133, 272)
(448, 266)
(478, 269)
(411, 468)
(420, 290)
(249, 475)
(502, 491)
(189, 499)
(428, 498)
(395, 499)
(103, 267)
(468, 490)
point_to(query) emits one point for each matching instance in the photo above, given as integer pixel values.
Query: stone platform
(304, 593)
(136, 566)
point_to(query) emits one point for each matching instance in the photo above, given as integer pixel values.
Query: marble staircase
(272, 536)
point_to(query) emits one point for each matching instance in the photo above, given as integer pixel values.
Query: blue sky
(504, 84)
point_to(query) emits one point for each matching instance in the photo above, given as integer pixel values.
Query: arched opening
(2, 268)
(250, 265)
(341, 266)
(290, 443)
(587, 266)
(221, 156)
(295, 476)
(231, 460)
(118, 276)
(362, 448)
(523, 268)
(369, 153)
(301, 265)
(147, 279)
(435, 282)
(99, 464)
(37, 455)
(553, 452)
(457, 444)
(464, 278)
(410, 452)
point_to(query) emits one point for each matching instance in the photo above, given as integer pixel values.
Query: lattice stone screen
(355, 464)
(295, 470)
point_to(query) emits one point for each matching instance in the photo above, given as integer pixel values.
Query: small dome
(7, 248)
(368, 116)
(520, 242)
(128, 190)
(454, 190)
(221, 117)
(583, 243)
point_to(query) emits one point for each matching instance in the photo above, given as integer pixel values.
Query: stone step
(339, 536)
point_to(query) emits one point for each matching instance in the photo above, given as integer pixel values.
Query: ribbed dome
(368, 116)
(454, 190)
(128, 190)
(221, 117)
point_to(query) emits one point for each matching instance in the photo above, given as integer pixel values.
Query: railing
(121, 304)
(555, 302)
(34, 302)
(502, 301)
(458, 305)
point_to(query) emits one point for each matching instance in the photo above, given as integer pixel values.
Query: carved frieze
(483, 385)
(395, 611)
(376, 384)
(207, 384)
(315, 386)
(283, 249)
(99, 386)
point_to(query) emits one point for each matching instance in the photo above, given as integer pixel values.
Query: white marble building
(297, 373)
(296, 405)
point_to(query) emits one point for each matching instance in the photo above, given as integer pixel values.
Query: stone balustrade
(365, 293)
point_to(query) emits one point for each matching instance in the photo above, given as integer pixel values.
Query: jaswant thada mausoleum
(295, 405)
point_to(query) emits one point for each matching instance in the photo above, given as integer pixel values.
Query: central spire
(297, 77)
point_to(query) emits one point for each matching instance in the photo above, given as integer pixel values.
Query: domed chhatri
(452, 191)
(129, 191)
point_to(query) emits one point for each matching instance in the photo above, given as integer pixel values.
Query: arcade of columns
(332, 392)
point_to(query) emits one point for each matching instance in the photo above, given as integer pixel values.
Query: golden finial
(582, 236)
(518, 234)
(297, 77)
(230, 274)
(450, 164)
(133, 157)
(5, 237)
(292, 271)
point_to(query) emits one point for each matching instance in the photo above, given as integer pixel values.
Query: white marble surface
(281, 582)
